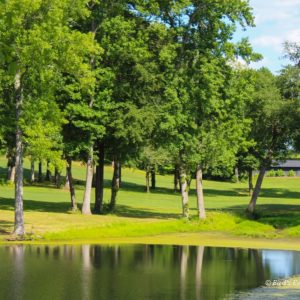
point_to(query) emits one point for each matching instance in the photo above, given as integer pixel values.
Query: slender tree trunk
(67, 183)
(71, 185)
(11, 169)
(120, 174)
(40, 175)
(115, 185)
(32, 178)
(252, 203)
(86, 205)
(57, 178)
(8, 171)
(94, 177)
(148, 179)
(176, 181)
(153, 179)
(99, 184)
(19, 213)
(237, 175)
(12, 173)
(250, 181)
(184, 192)
(48, 173)
(200, 197)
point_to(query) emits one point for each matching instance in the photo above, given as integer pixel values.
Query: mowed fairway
(139, 214)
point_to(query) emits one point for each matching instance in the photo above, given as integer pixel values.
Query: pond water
(137, 271)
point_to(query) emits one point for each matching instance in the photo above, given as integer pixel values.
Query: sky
(276, 21)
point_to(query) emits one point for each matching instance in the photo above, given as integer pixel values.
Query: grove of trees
(152, 83)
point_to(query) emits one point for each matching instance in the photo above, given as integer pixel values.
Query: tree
(289, 85)
(292, 52)
(197, 74)
(271, 128)
(150, 160)
(38, 44)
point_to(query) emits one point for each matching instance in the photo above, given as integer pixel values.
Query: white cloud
(268, 41)
(276, 41)
(265, 62)
(276, 21)
(293, 36)
(275, 10)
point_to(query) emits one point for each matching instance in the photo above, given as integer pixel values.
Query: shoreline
(207, 239)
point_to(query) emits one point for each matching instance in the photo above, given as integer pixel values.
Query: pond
(137, 271)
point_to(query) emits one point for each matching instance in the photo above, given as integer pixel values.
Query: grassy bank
(155, 217)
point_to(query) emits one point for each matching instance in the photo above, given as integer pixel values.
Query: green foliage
(279, 173)
(271, 173)
(291, 173)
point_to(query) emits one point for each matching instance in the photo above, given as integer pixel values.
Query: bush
(271, 173)
(291, 173)
(279, 173)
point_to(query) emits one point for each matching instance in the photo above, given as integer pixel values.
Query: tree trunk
(120, 175)
(67, 183)
(184, 192)
(99, 184)
(48, 173)
(148, 179)
(12, 174)
(200, 197)
(252, 203)
(250, 181)
(153, 180)
(94, 177)
(115, 185)
(32, 178)
(71, 185)
(19, 213)
(176, 181)
(57, 178)
(11, 169)
(237, 175)
(40, 175)
(86, 205)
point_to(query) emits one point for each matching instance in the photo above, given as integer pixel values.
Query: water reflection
(137, 272)
(282, 263)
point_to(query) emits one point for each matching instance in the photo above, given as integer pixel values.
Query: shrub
(279, 173)
(271, 173)
(291, 173)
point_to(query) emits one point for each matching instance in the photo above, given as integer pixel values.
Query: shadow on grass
(280, 216)
(40, 206)
(130, 212)
(6, 227)
(64, 207)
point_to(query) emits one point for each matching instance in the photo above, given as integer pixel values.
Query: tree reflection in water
(136, 272)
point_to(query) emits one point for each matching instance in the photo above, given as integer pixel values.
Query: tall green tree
(38, 44)
(196, 77)
(270, 129)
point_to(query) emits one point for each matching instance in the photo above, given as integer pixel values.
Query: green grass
(139, 214)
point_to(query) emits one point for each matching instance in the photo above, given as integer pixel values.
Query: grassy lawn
(140, 215)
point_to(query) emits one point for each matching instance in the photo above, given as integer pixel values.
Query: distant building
(288, 165)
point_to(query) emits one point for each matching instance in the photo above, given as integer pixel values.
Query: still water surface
(138, 271)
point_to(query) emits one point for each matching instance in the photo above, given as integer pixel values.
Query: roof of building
(289, 163)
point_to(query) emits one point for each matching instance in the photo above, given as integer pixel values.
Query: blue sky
(276, 21)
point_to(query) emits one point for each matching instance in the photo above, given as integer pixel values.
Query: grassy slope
(139, 215)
